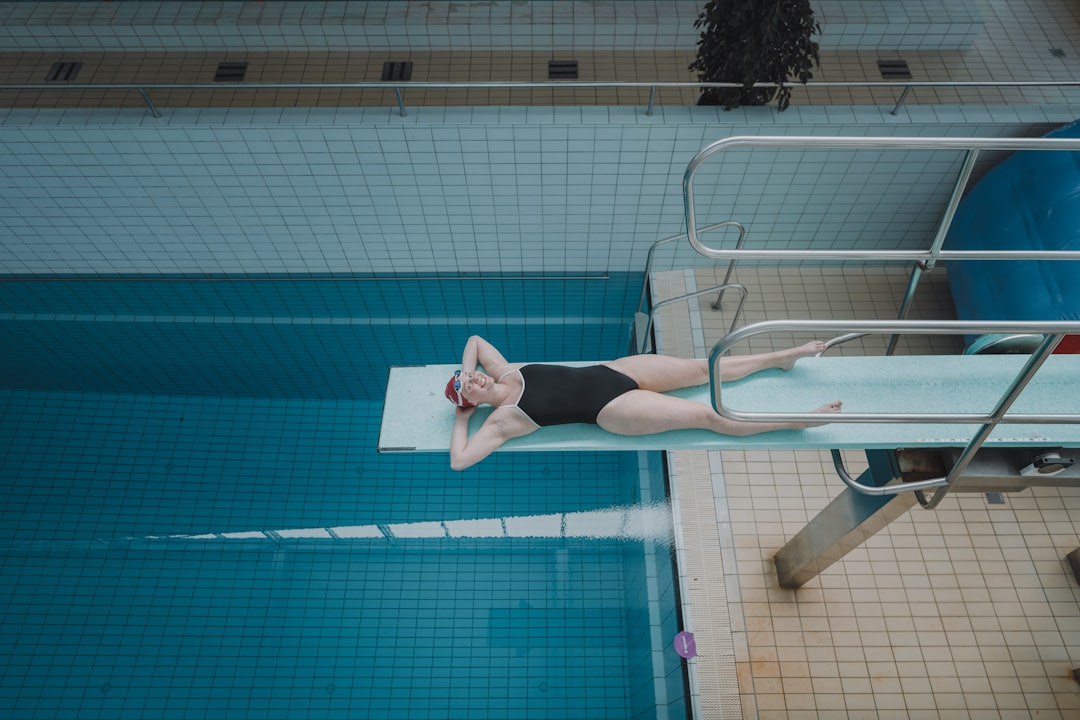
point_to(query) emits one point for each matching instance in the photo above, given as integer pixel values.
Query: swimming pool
(195, 521)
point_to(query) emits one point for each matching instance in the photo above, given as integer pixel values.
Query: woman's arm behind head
(479, 351)
(500, 426)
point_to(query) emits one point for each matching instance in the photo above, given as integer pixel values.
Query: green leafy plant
(755, 41)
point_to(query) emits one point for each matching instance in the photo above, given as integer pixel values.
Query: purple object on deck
(685, 645)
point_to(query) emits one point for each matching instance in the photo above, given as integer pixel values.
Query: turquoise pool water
(194, 521)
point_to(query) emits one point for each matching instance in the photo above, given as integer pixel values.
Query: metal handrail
(942, 485)
(1053, 332)
(929, 327)
(931, 256)
(675, 238)
(881, 490)
(648, 267)
(144, 88)
(921, 260)
(698, 293)
(719, 289)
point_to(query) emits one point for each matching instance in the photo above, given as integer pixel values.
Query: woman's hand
(479, 352)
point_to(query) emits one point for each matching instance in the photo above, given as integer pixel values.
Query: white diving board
(418, 418)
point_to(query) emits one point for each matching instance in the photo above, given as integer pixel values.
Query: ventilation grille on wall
(894, 69)
(563, 70)
(230, 72)
(63, 71)
(397, 71)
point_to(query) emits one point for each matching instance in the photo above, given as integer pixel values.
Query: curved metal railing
(930, 256)
(920, 260)
(929, 327)
(1053, 332)
(642, 333)
(675, 238)
(643, 321)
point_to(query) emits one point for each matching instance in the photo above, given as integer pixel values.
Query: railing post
(905, 304)
(731, 263)
(400, 102)
(652, 96)
(845, 523)
(939, 239)
(903, 96)
(149, 104)
(952, 206)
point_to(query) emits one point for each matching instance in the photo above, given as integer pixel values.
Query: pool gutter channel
(699, 518)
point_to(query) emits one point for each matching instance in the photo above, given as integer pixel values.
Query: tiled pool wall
(500, 24)
(457, 190)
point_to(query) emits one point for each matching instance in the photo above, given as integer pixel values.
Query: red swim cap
(453, 394)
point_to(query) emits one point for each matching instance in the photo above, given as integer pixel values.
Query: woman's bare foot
(833, 407)
(790, 357)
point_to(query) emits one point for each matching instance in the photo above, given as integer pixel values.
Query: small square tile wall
(507, 190)
(606, 24)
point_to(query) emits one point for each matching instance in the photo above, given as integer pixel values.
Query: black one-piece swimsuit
(558, 394)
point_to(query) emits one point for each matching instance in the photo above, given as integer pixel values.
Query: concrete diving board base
(417, 418)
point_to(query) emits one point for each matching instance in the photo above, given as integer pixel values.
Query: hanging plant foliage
(755, 41)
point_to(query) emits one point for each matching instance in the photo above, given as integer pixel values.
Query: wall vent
(63, 71)
(562, 70)
(397, 71)
(894, 69)
(230, 72)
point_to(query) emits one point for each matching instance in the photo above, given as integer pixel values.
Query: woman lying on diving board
(624, 396)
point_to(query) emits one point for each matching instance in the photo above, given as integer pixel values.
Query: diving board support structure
(846, 522)
(896, 479)
(986, 451)
(883, 493)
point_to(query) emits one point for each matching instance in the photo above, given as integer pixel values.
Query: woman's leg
(733, 367)
(641, 412)
(662, 373)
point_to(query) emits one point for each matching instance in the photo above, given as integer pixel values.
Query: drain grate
(1057, 52)
(230, 72)
(562, 70)
(63, 71)
(398, 70)
(995, 498)
(894, 69)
